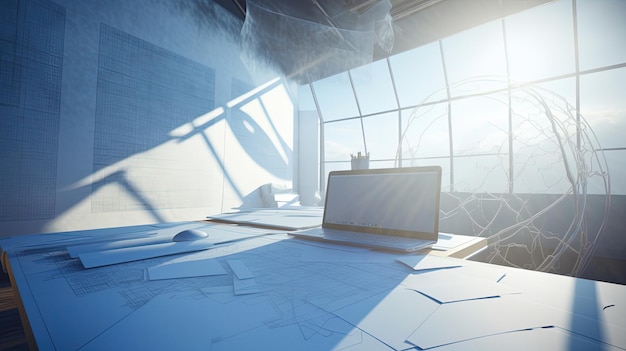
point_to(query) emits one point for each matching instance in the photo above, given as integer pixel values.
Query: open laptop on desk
(390, 208)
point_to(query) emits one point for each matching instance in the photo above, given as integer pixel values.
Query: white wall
(139, 123)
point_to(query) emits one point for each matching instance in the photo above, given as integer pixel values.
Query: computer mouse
(190, 235)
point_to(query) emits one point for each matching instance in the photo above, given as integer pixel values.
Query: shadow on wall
(261, 138)
(157, 139)
(255, 135)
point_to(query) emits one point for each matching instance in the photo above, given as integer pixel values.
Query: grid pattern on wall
(31, 60)
(143, 92)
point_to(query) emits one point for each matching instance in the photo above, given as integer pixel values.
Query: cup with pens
(360, 161)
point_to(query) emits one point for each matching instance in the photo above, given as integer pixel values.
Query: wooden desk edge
(28, 332)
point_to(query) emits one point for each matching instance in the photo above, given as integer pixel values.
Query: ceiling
(411, 23)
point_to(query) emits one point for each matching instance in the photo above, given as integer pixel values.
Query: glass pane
(383, 164)
(540, 42)
(443, 162)
(381, 136)
(603, 105)
(417, 74)
(478, 52)
(335, 97)
(425, 132)
(545, 139)
(561, 90)
(480, 125)
(601, 33)
(341, 139)
(481, 174)
(373, 87)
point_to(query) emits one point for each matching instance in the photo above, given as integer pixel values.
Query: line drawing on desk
(302, 295)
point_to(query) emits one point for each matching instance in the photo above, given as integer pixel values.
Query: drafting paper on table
(129, 254)
(447, 286)
(533, 339)
(492, 273)
(246, 286)
(404, 307)
(286, 219)
(340, 256)
(219, 289)
(71, 238)
(186, 269)
(490, 316)
(240, 269)
(69, 318)
(217, 234)
(193, 322)
(448, 241)
(425, 262)
(327, 332)
(326, 245)
(74, 251)
(164, 235)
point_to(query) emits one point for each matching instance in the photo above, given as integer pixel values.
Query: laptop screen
(396, 201)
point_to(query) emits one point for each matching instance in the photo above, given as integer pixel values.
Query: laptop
(387, 208)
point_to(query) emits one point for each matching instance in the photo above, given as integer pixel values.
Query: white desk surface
(287, 218)
(275, 292)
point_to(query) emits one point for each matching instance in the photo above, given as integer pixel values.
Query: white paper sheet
(533, 339)
(64, 312)
(447, 241)
(75, 251)
(114, 252)
(74, 238)
(186, 269)
(492, 273)
(129, 254)
(338, 255)
(326, 334)
(452, 285)
(184, 322)
(466, 320)
(391, 317)
(246, 286)
(425, 262)
(326, 245)
(240, 269)
(286, 219)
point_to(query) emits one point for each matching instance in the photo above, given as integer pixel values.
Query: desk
(300, 217)
(276, 292)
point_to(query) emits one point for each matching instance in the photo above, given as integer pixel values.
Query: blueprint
(259, 287)
(118, 304)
